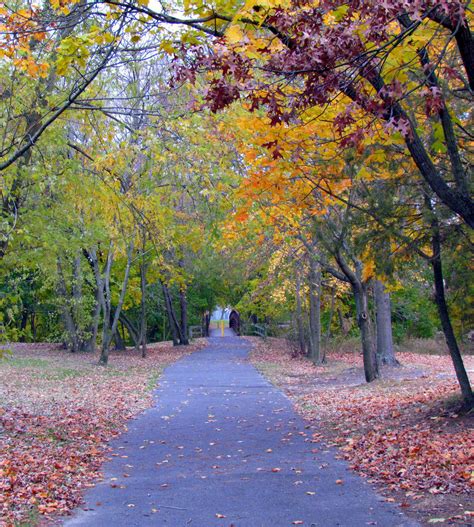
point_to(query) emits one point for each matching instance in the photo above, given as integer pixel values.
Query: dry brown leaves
(399, 431)
(57, 413)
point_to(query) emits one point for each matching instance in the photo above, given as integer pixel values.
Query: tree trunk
(385, 350)
(109, 331)
(90, 344)
(327, 337)
(119, 342)
(24, 321)
(205, 323)
(132, 330)
(70, 326)
(77, 291)
(371, 368)
(299, 315)
(314, 312)
(171, 315)
(143, 304)
(104, 280)
(448, 331)
(183, 304)
(33, 325)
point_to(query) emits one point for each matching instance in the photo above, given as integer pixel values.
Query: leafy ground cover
(58, 411)
(402, 432)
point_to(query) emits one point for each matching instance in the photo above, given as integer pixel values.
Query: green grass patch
(153, 380)
(110, 372)
(32, 518)
(60, 374)
(27, 362)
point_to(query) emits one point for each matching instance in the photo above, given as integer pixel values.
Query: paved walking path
(222, 447)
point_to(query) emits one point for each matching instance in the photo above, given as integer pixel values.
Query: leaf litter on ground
(58, 411)
(402, 432)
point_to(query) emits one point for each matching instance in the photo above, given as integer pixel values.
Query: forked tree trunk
(111, 328)
(132, 330)
(383, 314)
(359, 290)
(175, 329)
(119, 342)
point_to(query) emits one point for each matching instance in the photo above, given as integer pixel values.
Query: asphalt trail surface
(223, 447)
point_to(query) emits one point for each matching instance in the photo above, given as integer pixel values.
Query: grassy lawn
(58, 411)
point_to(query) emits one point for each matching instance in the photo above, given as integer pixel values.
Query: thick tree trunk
(314, 312)
(385, 349)
(371, 368)
(299, 315)
(359, 290)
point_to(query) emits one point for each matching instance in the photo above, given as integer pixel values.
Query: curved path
(223, 447)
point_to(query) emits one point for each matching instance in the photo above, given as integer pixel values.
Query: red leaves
(396, 432)
(56, 426)
(221, 94)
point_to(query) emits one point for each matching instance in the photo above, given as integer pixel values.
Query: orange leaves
(31, 67)
(242, 215)
(369, 270)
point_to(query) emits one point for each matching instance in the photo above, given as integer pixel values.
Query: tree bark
(383, 315)
(109, 330)
(440, 298)
(90, 344)
(314, 312)
(119, 342)
(371, 368)
(24, 321)
(132, 330)
(359, 290)
(72, 340)
(143, 326)
(183, 304)
(175, 333)
(299, 314)
(91, 257)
